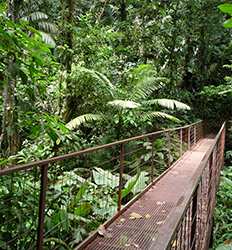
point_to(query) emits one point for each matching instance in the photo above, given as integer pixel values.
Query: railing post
(195, 134)
(152, 161)
(223, 145)
(42, 202)
(169, 148)
(121, 170)
(194, 220)
(189, 138)
(181, 142)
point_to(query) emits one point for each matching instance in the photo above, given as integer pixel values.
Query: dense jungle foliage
(76, 74)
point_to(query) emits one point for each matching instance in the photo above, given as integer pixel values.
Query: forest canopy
(79, 73)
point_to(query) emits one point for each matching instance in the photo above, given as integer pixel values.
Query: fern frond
(47, 27)
(83, 119)
(124, 104)
(99, 77)
(147, 86)
(47, 39)
(168, 103)
(104, 79)
(36, 16)
(157, 114)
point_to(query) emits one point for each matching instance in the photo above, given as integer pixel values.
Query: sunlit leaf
(83, 119)
(124, 104)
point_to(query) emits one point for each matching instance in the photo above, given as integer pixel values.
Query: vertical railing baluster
(181, 142)
(195, 134)
(42, 204)
(189, 138)
(121, 170)
(169, 149)
(194, 220)
(152, 160)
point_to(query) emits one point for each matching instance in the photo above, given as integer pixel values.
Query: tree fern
(145, 88)
(157, 114)
(100, 78)
(168, 103)
(124, 104)
(47, 39)
(47, 27)
(35, 16)
(83, 119)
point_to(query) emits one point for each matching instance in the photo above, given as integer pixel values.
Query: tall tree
(69, 23)
(9, 136)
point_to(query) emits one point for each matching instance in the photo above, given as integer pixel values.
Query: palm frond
(36, 16)
(157, 114)
(47, 39)
(47, 27)
(83, 119)
(147, 86)
(168, 103)
(124, 104)
(104, 79)
(99, 77)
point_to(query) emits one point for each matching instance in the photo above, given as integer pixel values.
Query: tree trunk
(9, 135)
(8, 140)
(123, 12)
(70, 6)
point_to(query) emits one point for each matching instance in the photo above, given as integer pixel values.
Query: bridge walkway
(147, 221)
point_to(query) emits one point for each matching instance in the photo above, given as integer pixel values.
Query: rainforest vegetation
(75, 74)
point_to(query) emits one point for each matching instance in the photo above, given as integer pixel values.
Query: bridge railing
(58, 201)
(190, 226)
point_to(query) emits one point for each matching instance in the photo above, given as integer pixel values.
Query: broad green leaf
(83, 209)
(136, 184)
(124, 104)
(105, 178)
(224, 247)
(81, 191)
(129, 185)
(83, 119)
(169, 103)
(228, 23)
(158, 114)
(226, 8)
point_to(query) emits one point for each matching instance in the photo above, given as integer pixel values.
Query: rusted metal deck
(148, 221)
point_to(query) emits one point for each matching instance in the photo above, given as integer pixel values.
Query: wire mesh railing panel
(56, 203)
(19, 201)
(81, 199)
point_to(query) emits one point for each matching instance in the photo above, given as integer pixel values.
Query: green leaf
(105, 178)
(157, 114)
(136, 184)
(83, 119)
(129, 185)
(226, 8)
(169, 103)
(81, 192)
(57, 241)
(124, 104)
(83, 209)
(224, 247)
(228, 23)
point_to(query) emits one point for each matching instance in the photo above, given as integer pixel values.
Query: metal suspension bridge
(171, 209)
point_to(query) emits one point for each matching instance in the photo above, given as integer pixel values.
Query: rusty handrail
(14, 168)
(193, 132)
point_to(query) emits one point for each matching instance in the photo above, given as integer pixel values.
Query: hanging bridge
(154, 191)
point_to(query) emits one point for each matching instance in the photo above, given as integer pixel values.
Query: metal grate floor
(154, 207)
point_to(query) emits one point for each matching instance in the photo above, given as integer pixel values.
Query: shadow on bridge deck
(149, 223)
